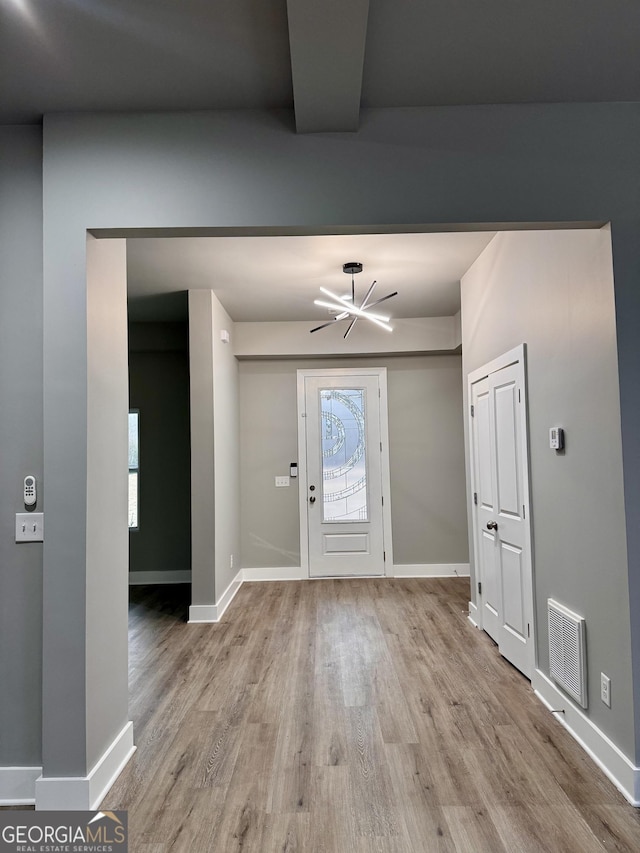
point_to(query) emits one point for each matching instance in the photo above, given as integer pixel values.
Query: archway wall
(494, 164)
(554, 291)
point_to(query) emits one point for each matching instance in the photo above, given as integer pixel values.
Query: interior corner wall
(159, 389)
(226, 437)
(553, 290)
(21, 438)
(215, 488)
(426, 449)
(203, 530)
(107, 554)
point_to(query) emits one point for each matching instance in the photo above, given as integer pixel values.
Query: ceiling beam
(327, 54)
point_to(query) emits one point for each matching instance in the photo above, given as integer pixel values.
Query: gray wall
(105, 595)
(203, 531)
(554, 291)
(159, 388)
(215, 463)
(492, 164)
(226, 438)
(428, 507)
(20, 442)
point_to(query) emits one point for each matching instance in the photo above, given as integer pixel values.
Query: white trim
(517, 354)
(139, 578)
(18, 785)
(381, 373)
(473, 615)
(215, 612)
(613, 763)
(418, 570)
(203, 613)
(85, 793)
(286, 573)
(432, 570)
(386, 475)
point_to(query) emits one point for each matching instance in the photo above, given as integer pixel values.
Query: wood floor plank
(294, 745)
(333, 820)
(332, 716)
(473, 830)
(616, 827)
(539, 829)
(372, 794)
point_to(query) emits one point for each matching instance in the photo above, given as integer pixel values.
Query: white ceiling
(323, 59)
(277, 278)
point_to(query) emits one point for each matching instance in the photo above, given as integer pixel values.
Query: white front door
(342, 484)
(501, 517)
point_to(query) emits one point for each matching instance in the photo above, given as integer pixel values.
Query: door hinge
(528, 630)
(524, 512)
(475, 498)
(479, 588)
(383, 500)
(380, 447)
(473, 412)
(518, 395)
(384, 556)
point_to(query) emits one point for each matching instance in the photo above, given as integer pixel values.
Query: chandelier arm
(350, 326)
(324, 325)
(365, 301)
(382, 299)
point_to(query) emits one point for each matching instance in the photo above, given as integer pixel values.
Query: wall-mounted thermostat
(556, 438)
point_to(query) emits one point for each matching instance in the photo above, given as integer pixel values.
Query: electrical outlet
(281, 481)
(231, 561)
(605, 689)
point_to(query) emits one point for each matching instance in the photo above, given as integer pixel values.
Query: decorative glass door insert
(344, 454)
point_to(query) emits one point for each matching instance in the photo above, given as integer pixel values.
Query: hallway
(352, 715)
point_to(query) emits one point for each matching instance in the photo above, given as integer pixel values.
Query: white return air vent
(567, 651)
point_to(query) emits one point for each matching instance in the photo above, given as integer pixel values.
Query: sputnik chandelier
(344, 307)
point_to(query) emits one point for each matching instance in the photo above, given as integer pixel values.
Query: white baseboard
(214, 612)
(419, 570)
(18, 785)
(473, 615)
(614, 764)
(287, 573)
(432, 570)
(139, 578)
(85, 793)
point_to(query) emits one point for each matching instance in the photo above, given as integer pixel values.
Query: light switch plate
(281, 481)
(29, 527)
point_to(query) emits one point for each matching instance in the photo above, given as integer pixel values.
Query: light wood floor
(350, 716)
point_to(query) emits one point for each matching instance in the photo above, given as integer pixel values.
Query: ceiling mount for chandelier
(344, 307)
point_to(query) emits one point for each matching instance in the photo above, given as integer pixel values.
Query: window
(134, 468)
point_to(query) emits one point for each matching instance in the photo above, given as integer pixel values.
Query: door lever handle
(312, 499)
(492, 525)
